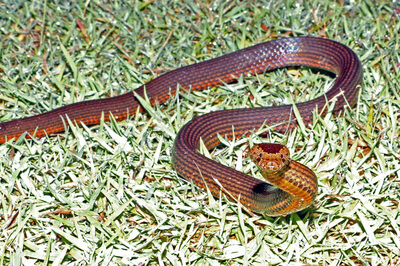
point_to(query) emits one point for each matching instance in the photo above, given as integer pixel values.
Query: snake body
(253, 193)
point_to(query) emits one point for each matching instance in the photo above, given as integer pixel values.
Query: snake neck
(275, 177)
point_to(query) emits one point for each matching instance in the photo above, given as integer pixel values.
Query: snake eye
(260, 155)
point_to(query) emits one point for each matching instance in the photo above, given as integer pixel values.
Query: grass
(108, 194)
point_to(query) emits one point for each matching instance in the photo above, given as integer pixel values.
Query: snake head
(270, 157)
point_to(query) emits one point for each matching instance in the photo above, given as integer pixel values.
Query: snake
(292, 187)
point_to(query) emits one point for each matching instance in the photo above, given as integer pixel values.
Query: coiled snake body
(252, 193)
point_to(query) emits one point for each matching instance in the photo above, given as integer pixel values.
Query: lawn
(108, 194)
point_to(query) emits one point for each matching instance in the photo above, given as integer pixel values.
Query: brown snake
(254, 194)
